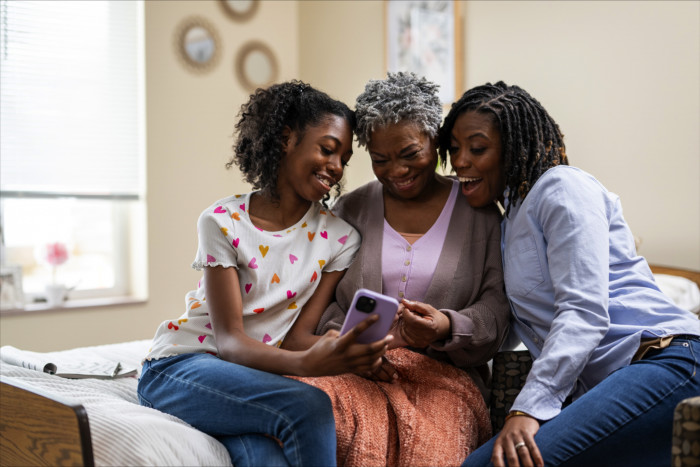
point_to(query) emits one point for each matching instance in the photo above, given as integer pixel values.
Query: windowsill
(72, 305)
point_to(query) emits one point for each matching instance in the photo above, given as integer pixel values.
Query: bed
(48, 420)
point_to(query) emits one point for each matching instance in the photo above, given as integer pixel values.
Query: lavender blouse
(408, 269)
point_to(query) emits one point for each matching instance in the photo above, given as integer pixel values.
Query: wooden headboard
(687, 273)
(40, 429)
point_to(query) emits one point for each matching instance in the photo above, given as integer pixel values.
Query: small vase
(55, 295)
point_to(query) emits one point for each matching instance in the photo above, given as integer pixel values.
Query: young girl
(269, 257)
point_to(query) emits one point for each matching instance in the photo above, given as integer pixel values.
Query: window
(72, 143)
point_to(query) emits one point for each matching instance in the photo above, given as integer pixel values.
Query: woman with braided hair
(270, 259)
(612, 355)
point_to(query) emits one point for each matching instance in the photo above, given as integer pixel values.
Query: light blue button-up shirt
(581, 296)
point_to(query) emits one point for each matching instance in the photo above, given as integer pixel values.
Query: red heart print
(314, 277)
(266, 338)
(247, 287)
(210, 259)
(219, 210)
(208, 326)
(242, 206)
(324, 234)
(201, 338)
(258, 310)
(173, 326)
(290, 294)
(235, 242)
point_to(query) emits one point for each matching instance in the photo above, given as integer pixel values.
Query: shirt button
(408, 248)
(407, 262)
(400, 294)
(403, 278)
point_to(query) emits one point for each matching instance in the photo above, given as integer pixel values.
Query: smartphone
(364, 304)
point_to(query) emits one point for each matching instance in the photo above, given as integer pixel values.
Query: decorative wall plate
(256, 66)
(239, 10)
(197, 44)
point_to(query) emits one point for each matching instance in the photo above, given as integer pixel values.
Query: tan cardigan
(467, 285)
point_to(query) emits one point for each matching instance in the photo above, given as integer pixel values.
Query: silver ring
(521, 444)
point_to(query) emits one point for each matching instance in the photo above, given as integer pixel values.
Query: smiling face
(475, 154)
(312, 165)
(404, 159)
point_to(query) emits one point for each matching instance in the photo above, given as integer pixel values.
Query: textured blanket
(433, 415)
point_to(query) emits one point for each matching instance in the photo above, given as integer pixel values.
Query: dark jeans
(246, 409)
(626, 420)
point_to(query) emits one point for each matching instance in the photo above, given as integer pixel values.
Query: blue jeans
(246, 409)
(626, 420)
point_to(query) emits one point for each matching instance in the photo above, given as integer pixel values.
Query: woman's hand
(395, 331)
(509, 444)
(421, 324)
(333, 354)
(384, 372)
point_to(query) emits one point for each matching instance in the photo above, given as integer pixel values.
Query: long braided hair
(260, 141)
(531, 141)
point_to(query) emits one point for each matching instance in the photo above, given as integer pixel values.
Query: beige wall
(621, 78)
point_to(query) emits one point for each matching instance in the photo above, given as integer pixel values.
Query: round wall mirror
(239, 10)
(256, 66)
(198, 44)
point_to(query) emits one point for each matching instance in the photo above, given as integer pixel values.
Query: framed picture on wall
(425, 37)
(11, 295)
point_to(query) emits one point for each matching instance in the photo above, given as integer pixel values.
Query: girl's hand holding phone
(334, 354)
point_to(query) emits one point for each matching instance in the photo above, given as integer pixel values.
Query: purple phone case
(386, 308)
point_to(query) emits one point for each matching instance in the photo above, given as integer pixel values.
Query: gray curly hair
(401, 96)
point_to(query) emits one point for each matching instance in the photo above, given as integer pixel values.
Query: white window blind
(71, 119)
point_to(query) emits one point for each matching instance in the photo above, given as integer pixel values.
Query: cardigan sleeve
(479, 328)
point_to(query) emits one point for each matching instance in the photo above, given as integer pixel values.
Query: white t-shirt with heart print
(278, 272)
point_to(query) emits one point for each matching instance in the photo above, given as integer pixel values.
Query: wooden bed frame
(40, 429)
(37, 428)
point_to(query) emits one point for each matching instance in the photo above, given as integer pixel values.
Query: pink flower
(56, 253)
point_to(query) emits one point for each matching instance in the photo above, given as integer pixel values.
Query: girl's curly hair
(531, 141)
(260, 140)
(401, 96)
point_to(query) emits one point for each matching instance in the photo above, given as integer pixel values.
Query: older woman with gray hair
(424, 245)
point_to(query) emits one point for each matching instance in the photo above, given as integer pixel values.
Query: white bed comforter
(124, 432)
